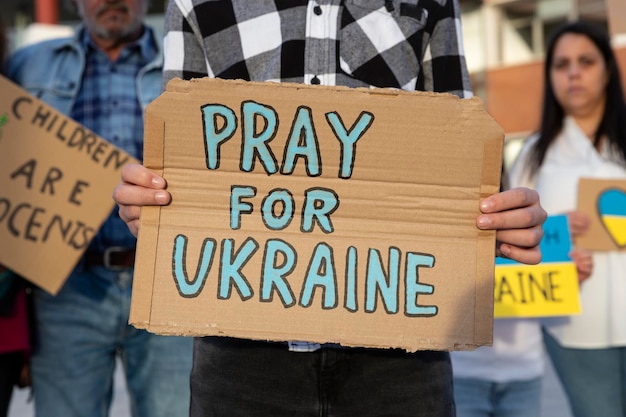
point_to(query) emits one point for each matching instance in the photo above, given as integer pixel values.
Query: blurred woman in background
(583, 134)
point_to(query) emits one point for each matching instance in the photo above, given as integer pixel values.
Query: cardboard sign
(547, 289)
(604, 200)
(56, 181)
(321, 214)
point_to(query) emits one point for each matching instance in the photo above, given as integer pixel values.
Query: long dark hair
(613, 123)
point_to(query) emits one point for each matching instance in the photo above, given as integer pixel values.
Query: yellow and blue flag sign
(612, 211)
(547, 289)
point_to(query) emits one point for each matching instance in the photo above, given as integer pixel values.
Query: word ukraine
(258, 126)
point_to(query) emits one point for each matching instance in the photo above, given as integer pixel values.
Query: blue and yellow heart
(612, 210)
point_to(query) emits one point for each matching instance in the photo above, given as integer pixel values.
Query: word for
(319, 204)
(37, 224)
(220, 124)
(527, 287)
(99, 151)
(279, 260)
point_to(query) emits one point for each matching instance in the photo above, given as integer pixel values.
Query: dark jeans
(593, 379)
(234, 377)
(10, 366)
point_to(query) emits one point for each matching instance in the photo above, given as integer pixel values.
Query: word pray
(220, 124)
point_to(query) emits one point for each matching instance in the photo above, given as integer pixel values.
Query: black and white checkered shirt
(408, 44)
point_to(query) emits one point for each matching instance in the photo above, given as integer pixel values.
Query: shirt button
(317, 10)
(315, 80)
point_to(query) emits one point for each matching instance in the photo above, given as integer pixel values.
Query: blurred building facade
(504, 44)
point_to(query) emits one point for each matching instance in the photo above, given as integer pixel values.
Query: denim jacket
(52, 71)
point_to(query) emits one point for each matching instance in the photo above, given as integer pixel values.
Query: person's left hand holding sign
(517, 217)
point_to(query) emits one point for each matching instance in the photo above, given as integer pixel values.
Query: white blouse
(571, 156)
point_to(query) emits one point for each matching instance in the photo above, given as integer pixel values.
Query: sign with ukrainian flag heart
(544, 290)
(612, 213)
(604, 200)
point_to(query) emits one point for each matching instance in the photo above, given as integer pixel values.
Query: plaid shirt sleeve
(444, 67)
(183, 51)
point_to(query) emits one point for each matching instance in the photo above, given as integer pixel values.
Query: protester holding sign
(356, 44)
(583, 134)
(103, 77)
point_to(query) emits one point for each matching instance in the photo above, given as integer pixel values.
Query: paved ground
(553, 401)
